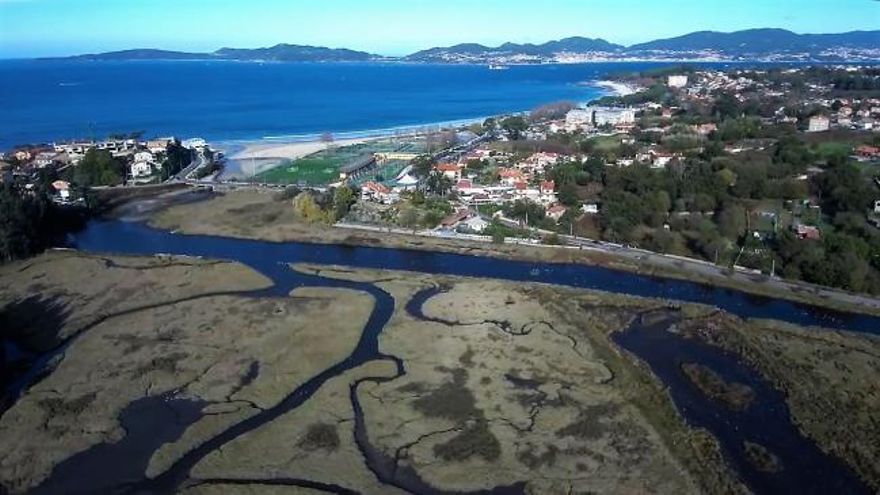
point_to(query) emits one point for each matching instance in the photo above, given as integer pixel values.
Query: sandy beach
(262, 150)
(618, 88)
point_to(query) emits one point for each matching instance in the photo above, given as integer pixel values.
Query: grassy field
(834, 148)
(606, 143)
(314, 170)
(323, 167)
(385, 174)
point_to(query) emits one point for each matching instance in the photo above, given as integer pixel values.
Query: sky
(37, 28)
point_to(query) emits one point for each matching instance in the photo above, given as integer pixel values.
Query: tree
(177, 158)
(422, 165)
(408, 217)
(30, 222)
(732, 222)
(306, 207)
(843, 189)
(431, 219)
(657, 206)
(99, 168)
(551, 111)
(514, 126)
(566, 173)
(439, 184)
(526, 211)
(477, 128)
(343, 198)
(568, 195)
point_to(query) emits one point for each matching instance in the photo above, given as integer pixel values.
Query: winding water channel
(807, 469)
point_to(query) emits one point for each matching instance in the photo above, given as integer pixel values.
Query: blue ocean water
(44, 101)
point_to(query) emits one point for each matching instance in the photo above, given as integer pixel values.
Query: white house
(590, 209)
(548, 192)
(159, 145)
(476, 224)
(613, 116)
(450, 170)
(677, 81)
(579, 117)
(819, 123)
(877, 206)
(45, 159)
(63, 188)
(661, 159)
(556, 212)
(373, 191)
(143, 156)
(195, 144)
(141, 169)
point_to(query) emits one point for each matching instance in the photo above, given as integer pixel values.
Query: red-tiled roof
(448, 167)
(509, 173)
(376, 187)
(455, 218)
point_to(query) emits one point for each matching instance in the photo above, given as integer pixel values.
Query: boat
(498, 67)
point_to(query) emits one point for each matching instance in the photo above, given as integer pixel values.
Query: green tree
(99, 168)
(843, 189)
(514, 126)
(422, 165)
(343, 198)
(177, 158)
(438, 184)
(408, 217)
(732, 222)
(568, 195)
(526, 211)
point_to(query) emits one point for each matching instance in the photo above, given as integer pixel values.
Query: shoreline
(617, 88)
(293, 147)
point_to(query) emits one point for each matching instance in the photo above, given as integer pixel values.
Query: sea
(58, 100)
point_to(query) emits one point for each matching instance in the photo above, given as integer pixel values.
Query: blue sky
(62, 27)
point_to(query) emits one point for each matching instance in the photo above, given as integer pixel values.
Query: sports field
(323, 167)
(312, 171)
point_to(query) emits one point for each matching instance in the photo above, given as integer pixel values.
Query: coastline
(617, 88)
(295, 147)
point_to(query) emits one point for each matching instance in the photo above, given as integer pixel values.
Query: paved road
(185, 174)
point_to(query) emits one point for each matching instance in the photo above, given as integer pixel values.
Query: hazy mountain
(750, 44)
(294, 53)
(277, 53)
(140, 54)
(763, 41)
(753, 44)
(574, 45)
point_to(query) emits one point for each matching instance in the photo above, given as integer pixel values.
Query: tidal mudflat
(347, 380)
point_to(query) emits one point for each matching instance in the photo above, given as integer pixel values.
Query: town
(772, 171)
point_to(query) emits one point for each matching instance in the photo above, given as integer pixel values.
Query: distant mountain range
(749, 45)
(277, 53)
